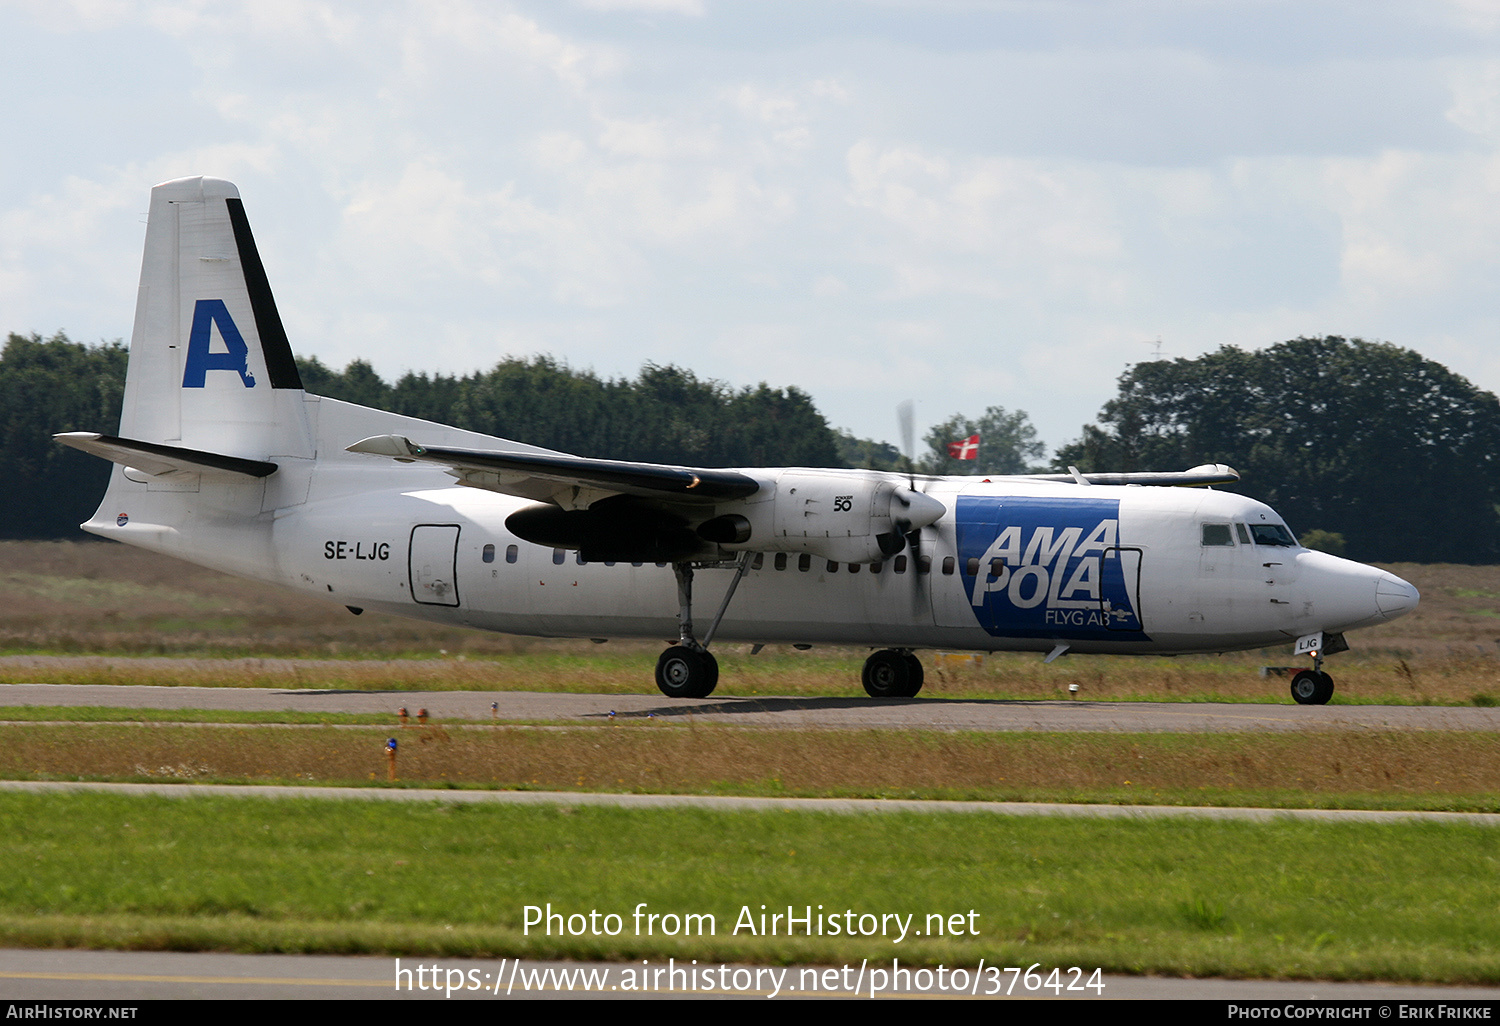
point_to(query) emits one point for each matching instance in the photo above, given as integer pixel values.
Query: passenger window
(804, 562)
(900, 565)
(875, 568)
(997, 567)
(558, 555)
(489, 554)
(833, 567)
(948, 565)
(759, 561)
(854, 568)
(1243, 532)
(511, 553)
(1217, 534)
(924, 565)
(579, 557)
(637, 564)
(971, 566)
(781, 560)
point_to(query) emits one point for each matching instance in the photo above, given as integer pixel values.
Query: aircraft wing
(1198, 477)
(569, 481)
(156, 459)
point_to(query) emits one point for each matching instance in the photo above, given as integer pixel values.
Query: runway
(805, 713)
(127, 976)
(725, 803)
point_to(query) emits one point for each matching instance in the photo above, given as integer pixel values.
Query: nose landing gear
(1312, 687)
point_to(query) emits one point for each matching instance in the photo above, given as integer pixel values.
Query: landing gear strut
(892, 673)
(688, 669)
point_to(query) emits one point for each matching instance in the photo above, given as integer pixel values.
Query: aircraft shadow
(743, 706)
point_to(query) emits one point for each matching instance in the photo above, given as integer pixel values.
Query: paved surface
(732, 804)
(146, 975)
(849, 713)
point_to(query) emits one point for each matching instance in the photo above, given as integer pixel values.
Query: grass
(1282, 900)
(1436, 770)
(1286, 900)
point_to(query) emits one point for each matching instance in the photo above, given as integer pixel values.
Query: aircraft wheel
(915, 684)
(683, 672)
(889, 674)
(1312, 687)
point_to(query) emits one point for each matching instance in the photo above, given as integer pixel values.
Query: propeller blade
(905, 413)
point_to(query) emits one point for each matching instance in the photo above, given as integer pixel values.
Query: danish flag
(968, 449)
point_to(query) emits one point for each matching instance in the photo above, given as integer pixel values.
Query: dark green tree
(1007, 444)
(868, 454)
(666, 415)
(357, 383)
(1367, 440)
(48, 386)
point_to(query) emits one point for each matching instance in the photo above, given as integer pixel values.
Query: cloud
(692, 8)
(845, 206)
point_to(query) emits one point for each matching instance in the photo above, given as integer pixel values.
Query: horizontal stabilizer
(156, 459)
(519, 473)
(1198, 477)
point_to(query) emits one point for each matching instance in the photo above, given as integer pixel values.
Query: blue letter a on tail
(200, 361)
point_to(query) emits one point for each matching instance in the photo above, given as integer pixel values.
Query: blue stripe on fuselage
(1061, 574)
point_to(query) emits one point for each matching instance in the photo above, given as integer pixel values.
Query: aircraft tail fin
(210, 366)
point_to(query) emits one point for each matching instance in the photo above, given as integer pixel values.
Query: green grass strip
(1182, 897)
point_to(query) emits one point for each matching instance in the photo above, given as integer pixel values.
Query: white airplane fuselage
(368, 534)
(224, 460)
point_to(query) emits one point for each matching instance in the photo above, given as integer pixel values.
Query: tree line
(1362, 446)
(663, 415)
(1363, 442)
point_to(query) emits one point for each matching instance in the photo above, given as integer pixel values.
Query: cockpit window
(1272, 534)
(1243, 532)
(1217, 534)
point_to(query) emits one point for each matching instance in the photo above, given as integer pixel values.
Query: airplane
(222, 459)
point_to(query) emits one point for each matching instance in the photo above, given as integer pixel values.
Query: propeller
(921, 509)
(904, 417)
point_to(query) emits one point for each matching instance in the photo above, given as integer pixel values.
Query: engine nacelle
(848, 516)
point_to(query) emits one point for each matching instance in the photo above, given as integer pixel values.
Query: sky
(964, 203)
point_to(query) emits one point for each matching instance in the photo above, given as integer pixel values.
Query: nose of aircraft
(1394, 596)
(1347, 594)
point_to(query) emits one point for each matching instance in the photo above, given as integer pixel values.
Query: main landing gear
(684, 672)
(892, 673)
(688, 669)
